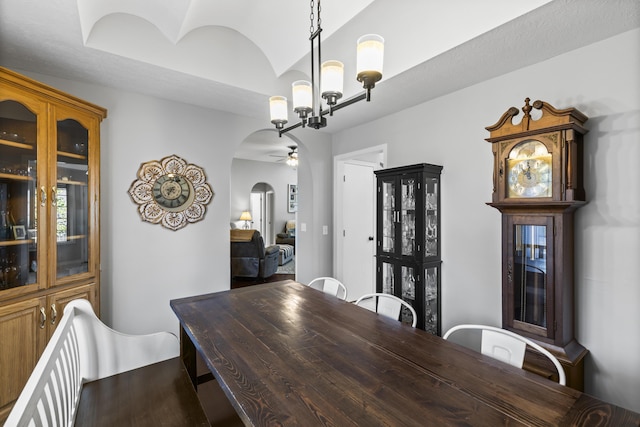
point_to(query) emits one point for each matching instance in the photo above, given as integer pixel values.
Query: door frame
(376, 157)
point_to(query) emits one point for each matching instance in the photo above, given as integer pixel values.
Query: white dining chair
(386, 305)
(329, 285)
(507, 346)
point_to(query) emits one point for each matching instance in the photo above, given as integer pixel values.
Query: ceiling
(231, 55)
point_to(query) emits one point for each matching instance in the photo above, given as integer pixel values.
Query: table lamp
(246, 217)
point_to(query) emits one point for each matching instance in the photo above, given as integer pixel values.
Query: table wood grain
(286, 354)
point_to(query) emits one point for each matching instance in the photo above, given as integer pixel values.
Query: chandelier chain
(312, 17)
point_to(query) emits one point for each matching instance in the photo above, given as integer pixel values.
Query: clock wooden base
(571, 358)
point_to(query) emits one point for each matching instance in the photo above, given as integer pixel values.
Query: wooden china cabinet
(49, 219)
(537, 186)
(408, 243)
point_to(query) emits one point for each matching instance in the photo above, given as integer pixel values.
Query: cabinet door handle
(43, 196)
(43, 317)
(54, 314)
(54, 198)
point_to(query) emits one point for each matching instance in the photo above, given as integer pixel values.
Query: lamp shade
(278, 109)
(370, 59)
(302, 96)
(332, 77)
(245, 216)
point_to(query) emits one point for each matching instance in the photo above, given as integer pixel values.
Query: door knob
(371, 238)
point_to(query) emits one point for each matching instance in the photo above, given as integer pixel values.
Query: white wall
(602, 81)
(247, 173)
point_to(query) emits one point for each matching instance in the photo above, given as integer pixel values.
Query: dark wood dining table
(286, 354)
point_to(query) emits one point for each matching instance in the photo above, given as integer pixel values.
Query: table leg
(188, 356)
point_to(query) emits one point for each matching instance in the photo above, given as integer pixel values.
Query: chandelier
(306, 95)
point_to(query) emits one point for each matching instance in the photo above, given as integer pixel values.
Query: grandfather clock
(537, 186)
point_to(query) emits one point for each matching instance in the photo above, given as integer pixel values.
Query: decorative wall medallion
(171, 192)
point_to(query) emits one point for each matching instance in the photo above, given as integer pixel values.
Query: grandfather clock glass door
(529, 293)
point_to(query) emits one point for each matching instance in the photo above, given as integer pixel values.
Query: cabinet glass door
(18, 196)
(432, 222)
(431, 320)
(408, 194)
(408, 280)
(387, 277)
(388, 194)
(72, 199)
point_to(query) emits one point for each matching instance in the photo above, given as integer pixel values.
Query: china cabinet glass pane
(431, 220)
(431, 300)
(18, 196)
(72, 204)
(530, 274)
(387, 278)
(408, 215)
(388, 216)
(408, 283)
(408, 291)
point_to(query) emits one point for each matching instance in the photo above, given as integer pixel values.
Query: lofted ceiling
(231, 55)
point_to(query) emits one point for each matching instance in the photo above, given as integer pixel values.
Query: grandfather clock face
(529, 170)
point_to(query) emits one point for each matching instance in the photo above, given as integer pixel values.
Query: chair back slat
(503, 347)
(330, 286)
(387, 305)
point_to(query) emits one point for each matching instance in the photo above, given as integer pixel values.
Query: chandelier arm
(356, 98)
(287, 129)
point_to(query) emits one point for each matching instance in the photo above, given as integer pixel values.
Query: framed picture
(19, 233)
(292, 201)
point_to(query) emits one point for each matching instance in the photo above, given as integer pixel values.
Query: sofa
(288, 235)
(249, 257)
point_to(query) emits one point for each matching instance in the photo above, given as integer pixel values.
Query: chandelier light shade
(307, 96)
(370, 59)
(332, 77)
(278, 108)
(302, 97)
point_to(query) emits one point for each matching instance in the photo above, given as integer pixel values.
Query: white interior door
(358, 234)
(256, 212)
(269, 231)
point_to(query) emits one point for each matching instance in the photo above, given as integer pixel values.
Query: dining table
(286, 354)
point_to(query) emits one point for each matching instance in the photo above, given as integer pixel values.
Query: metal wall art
(171, 192)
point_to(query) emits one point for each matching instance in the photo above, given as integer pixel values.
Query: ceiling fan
(291, 158)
